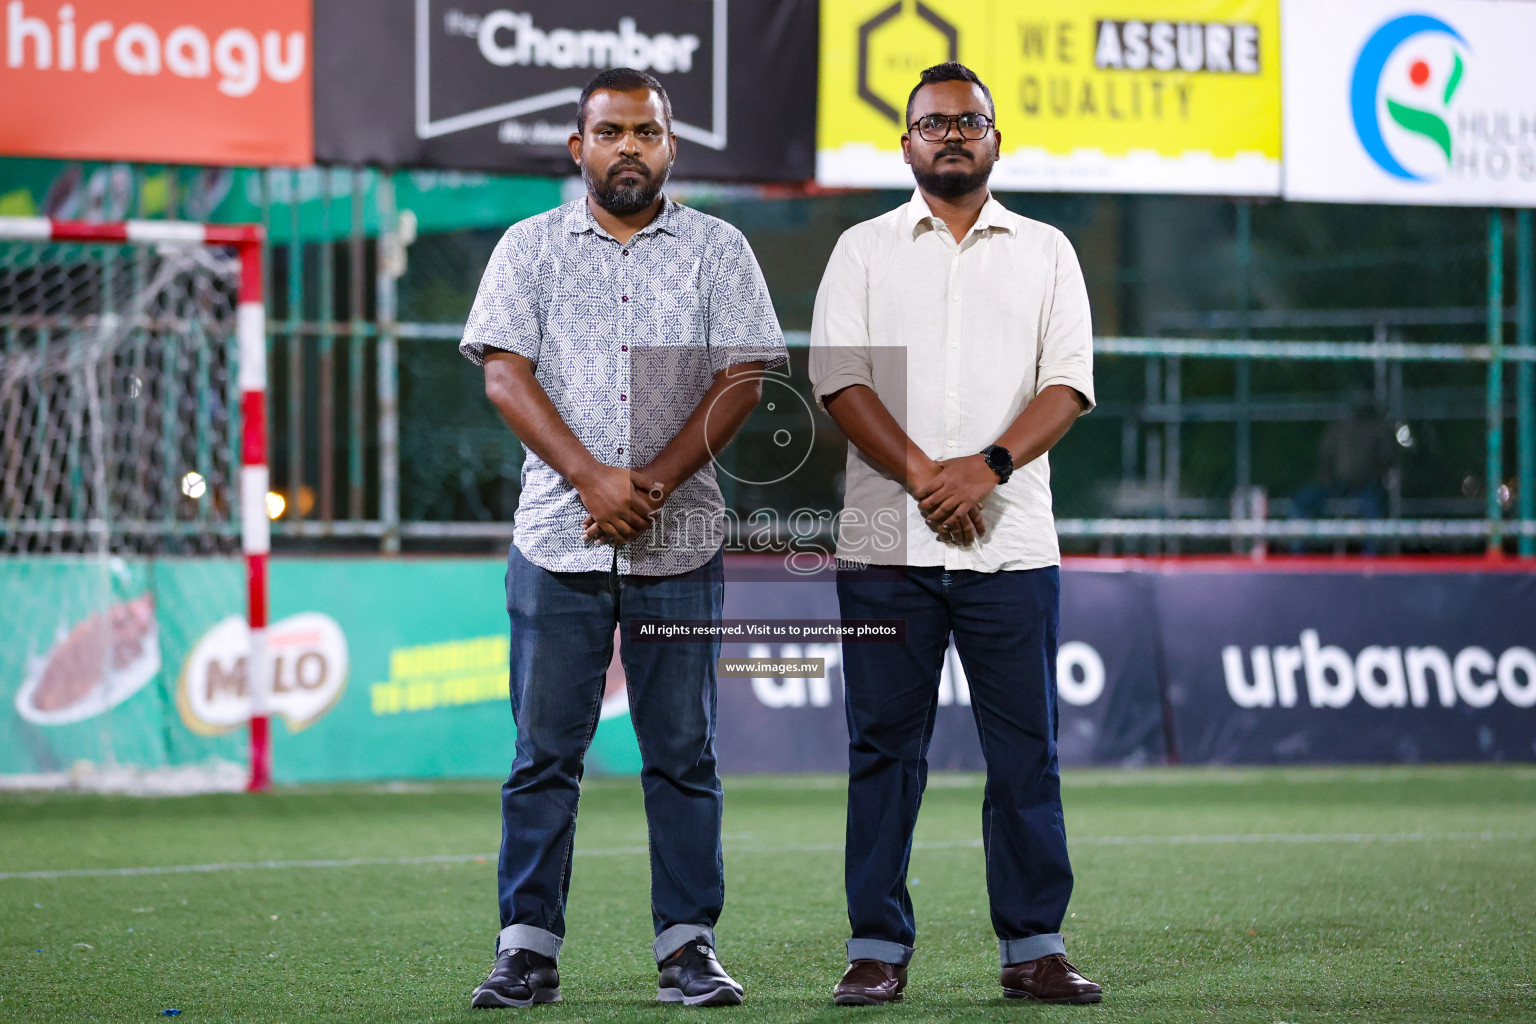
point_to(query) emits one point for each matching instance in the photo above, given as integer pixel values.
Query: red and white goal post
(149, 302)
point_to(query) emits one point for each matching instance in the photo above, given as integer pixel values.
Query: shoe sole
(484, 999)
(1082, 1000)
(853, 999)
(725, 995)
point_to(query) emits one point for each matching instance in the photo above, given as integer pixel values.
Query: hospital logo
(1405, 81)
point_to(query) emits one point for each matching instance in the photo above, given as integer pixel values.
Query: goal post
(132, 426)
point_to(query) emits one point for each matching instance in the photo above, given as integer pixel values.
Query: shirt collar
(579, 219)
(993, 216)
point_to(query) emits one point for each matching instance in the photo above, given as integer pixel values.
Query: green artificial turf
(1401, 894)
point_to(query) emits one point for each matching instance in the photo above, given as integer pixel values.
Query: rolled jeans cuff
(526, 936)
(879, 949)
(678, 936)
(1018, 951)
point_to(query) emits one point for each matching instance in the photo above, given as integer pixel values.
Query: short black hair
(950, 71)
(622, 80)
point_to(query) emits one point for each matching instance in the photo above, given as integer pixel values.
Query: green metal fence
(1207, 424)
(1490, 511)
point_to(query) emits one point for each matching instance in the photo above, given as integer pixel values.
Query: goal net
(124, 519)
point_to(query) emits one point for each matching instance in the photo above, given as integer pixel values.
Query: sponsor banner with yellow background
(1176, 96)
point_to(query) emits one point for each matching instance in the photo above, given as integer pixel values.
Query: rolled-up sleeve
(505, 316)
(840, 354)
(1066, 347)
(743, 327)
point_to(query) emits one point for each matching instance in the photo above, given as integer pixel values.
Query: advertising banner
(384, 668)
(379, 669)
(1106, 671)
(427, 694)
(440, 200)
(91, 657)
(1276, 667)
(1177, 96)
(480, 84)
(175, 81)
(1429, 103)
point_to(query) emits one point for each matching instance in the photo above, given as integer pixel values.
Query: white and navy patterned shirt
(626, 339)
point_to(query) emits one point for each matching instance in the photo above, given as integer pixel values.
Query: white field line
(1219, 839)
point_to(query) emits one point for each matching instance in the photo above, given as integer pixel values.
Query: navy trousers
(1005, 630)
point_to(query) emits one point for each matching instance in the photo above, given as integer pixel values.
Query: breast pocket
(678, 316)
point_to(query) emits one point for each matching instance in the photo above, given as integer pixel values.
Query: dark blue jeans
(1004, 625)
(562, 641)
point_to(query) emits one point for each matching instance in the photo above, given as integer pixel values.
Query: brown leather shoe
(1049, 979)
(870, 983)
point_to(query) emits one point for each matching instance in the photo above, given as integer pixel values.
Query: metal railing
(337, 341)
(1490, 528)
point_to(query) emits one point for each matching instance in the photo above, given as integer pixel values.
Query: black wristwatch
(1000, 459)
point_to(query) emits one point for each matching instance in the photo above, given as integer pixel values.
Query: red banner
(175, 81)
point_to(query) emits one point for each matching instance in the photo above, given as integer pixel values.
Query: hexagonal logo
(895, 46)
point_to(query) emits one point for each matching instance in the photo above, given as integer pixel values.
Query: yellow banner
(1112, 96)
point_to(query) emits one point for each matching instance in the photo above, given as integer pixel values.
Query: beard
(953, 182)
(623, 198)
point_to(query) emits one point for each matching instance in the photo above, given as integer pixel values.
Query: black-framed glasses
(935, 127)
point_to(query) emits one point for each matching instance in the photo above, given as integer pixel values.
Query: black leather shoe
(521, 977)
(692, 976)
(870, 983)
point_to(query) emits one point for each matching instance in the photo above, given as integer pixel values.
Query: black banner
(1260, 666)
(1109, 707)
(492, 85)
(1276, 667)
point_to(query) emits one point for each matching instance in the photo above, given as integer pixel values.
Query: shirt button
(949, 444)
(954, 344)
(623, 298)
(621, 451)
(623, 348)
(954, 394)
(624, 251)
(622, 398)
(955, 297)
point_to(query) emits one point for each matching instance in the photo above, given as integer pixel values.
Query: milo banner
(388, 668)
(91, 657)
(1178, 96)
(1428, 103)
(486, 85)
(379, 669)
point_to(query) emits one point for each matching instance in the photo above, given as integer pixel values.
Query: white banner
(1427, 103)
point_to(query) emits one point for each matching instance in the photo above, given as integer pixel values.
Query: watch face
(999, 460)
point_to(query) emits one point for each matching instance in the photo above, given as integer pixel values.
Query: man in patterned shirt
(623, 337)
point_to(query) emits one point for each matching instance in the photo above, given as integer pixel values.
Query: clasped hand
(620, 503)
(949, 495)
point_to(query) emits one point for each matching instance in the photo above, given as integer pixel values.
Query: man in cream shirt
(951, 343)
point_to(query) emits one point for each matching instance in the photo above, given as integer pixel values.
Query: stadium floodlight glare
(133, 375)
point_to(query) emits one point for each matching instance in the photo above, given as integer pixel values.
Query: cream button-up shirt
(956, 338)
